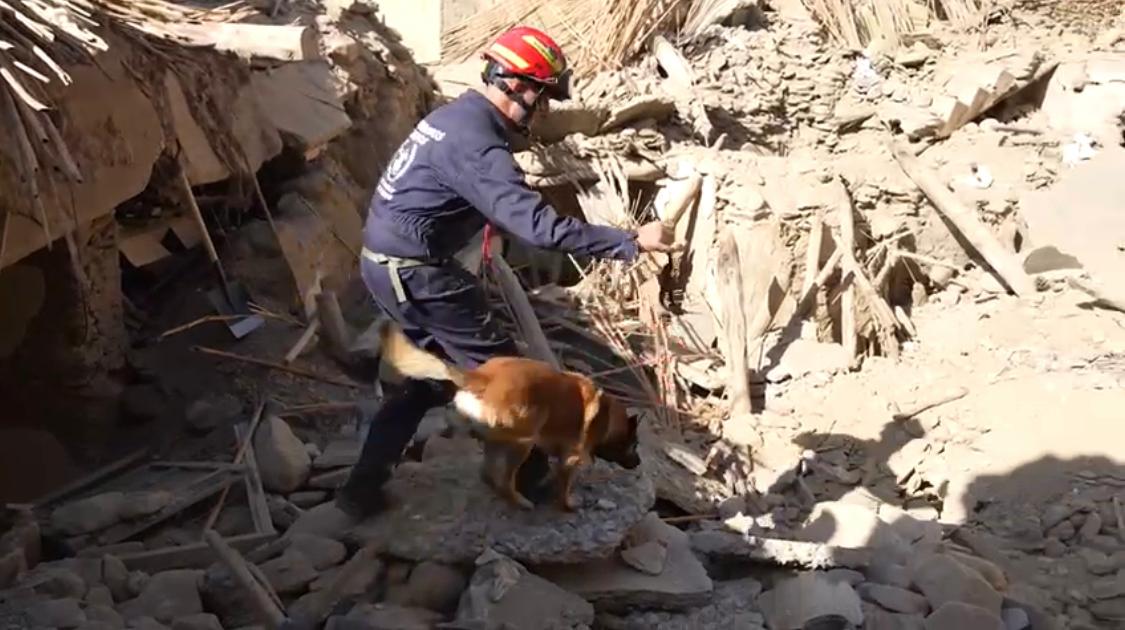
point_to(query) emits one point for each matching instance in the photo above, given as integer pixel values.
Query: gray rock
(1109, 609)
(321, 552)
(308, 498)
(224, 597)
(732, 607)
(795, 601)
(359, 583)
(88, 515)
(116, 578)
(57, 613)
(99, 625)
(942, 580)
(1091, 527)
(137, 582)
(282, 460)
(502, 591)
(431, 586)
(282, 512)
(105, 614)
(894, 599)
(1015, 619)
(99, 595)
(445, 513)
(961, 616)
(385, 617)
(330, 480)
(141, 504)
(340, 452)
(167, 596)
(325, 520)
(235, 520)
(146, 623)
(202, 621)
(649, 557)
(850, 576)
(614, 586)
(875, 618)
(56, 581)
(1096, 562)
(205, 414)
(290, 573)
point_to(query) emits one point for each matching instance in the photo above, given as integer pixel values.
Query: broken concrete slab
(795, 601)
(442, 511)
(612, 585)
(963, 616)
(733, 605)
(201, 621)
(502, 593)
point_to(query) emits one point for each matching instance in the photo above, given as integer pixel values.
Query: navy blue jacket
(455, 172)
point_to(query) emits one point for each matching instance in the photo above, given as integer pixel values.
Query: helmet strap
(496, 76)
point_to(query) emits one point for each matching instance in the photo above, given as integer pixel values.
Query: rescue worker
(450, 178)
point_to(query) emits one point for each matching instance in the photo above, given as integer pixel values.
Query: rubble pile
(827, 195)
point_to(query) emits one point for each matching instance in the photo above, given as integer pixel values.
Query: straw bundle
(856, 23)
(596, 34)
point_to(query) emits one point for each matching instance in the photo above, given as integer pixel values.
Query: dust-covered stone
(166, 596)
(732, 607)
(502, 591)
(282, 460)
(613, 585)
(962, 616)
(88, 515)
(795, 601)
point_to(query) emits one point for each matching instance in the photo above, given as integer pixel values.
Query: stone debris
(501, 591)
(613, 585)
(732, 606)
(962, 615)
(453, 516)
(57, 613)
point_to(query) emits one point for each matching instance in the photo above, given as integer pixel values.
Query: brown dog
(520, 403)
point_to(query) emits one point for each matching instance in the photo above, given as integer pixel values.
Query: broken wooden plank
(86, 481)
(208, 486)
(734, 325)
(264, 602)
(255, 493)
(1003, 263)
(193, 556)
(849, 335)
(244, 451)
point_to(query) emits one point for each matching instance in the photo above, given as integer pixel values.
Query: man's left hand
(657, 237)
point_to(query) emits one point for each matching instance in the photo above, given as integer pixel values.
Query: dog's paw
(568, 503)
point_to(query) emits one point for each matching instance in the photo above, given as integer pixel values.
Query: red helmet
(530, 54)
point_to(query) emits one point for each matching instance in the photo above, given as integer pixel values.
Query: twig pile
(596, 34)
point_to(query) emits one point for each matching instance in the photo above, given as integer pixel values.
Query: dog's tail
(410, 361)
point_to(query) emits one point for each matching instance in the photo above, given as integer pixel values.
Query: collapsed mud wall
(62, 309)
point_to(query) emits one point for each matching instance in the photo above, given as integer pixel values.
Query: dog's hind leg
(514, 457)
(564, 480)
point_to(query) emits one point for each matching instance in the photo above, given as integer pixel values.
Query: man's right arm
(494, 185)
